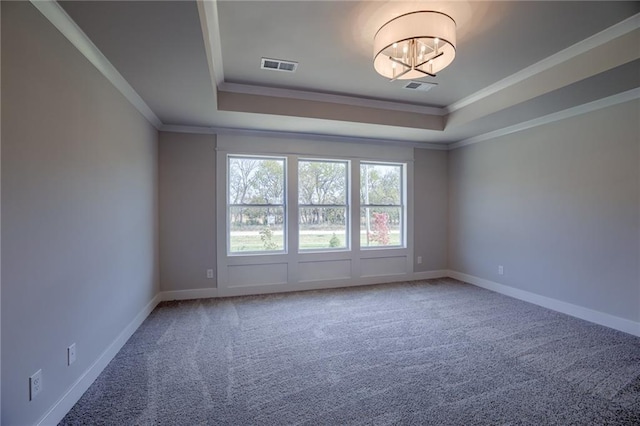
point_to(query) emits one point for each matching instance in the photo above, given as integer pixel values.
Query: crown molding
(67, 26)
(187, 129)
(326, 97)
(621, 28)
(297, 135)
(619, 98)
(208, 12)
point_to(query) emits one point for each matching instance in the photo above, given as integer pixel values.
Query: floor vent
(419, 85)
(278, 65)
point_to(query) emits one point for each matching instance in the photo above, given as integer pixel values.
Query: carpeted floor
(437, 352)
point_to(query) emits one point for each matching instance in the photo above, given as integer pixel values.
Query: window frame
(403, 205)
(283, 206)
(251, 274)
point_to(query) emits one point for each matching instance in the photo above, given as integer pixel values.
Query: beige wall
(558, 206)
(187, 178)
(430, 209)
(79, 190)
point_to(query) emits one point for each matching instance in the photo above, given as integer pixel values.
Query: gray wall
(79, 203)
(430, 217)
(188, 220)
(558, 205)
(187, 178)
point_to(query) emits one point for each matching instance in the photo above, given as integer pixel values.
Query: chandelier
(414, 45)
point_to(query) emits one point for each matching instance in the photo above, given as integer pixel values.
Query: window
(298, 214)
(256, 204)
(323, 213)
(382, 206)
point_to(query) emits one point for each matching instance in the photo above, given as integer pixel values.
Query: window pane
(323, 228)
(256, 229)
(380, 184)
(381, 226)
(322, 182)
(256, 180)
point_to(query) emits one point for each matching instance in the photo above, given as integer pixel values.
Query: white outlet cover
(35, 384)
(71, 354)
(209, 273)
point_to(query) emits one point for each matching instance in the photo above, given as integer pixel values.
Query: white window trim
(301, 270)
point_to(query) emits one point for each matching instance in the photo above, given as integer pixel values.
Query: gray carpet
(435, 352)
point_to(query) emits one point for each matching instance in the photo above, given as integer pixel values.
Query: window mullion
(354, 195)
(293, 241)
(256, 205)
(310, 206)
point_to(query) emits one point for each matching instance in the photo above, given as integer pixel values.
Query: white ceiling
(175, 53)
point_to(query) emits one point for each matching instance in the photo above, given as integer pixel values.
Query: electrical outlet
(35, 384)
(419, 260)
(71, 354)
(210, 273)
(500, 270)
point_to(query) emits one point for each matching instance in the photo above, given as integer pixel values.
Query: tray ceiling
(198, 68)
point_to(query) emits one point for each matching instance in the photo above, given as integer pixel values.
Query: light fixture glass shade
(415, 45)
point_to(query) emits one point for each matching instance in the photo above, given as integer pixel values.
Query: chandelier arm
(423, 72)
(430, 59)
(398, 61)
(401, 74)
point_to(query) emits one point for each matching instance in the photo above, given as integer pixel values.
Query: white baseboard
(73, 394)
(306, 286)
(211, 292)
(321, 285)
(198, 293)
(429, 275)
(601, 318)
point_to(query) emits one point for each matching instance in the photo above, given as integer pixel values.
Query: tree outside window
(256, 204)
(381, 205)
(323, 213)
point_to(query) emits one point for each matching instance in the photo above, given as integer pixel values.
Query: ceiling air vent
(278, 65)
(419, 85)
